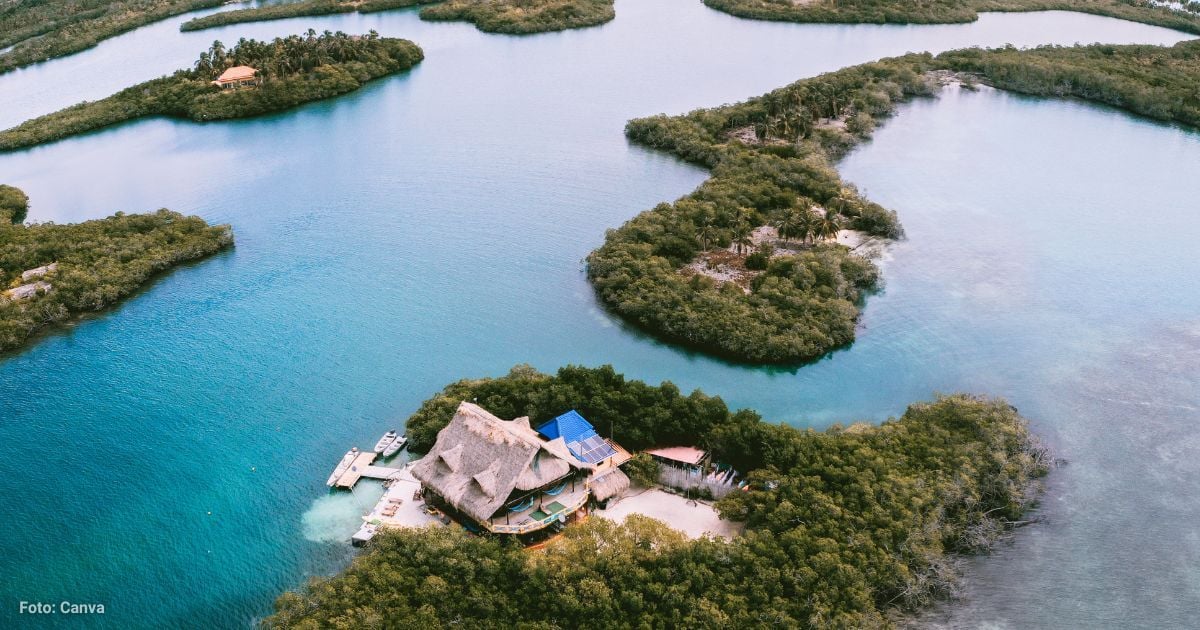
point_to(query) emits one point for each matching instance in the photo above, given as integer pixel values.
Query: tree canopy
(295, 9)
(772, 160)
(33, 31)
(1184, 18)
(292, 70)
(14, 204)
(523, 16)
(99, 263)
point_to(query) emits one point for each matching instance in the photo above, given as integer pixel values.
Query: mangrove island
(515, 17)
(303, 8)
(52, 273)
(1182, 16)
(36, 31)
(519, 17)
(250, 79)
(749, 265)
(847, 527)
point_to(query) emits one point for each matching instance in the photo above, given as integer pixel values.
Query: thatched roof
(609, 484)
(479, 459)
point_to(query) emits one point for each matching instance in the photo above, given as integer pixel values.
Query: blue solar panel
(594, 450)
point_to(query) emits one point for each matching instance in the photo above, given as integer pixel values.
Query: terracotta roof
(236, 73)
(685, 454)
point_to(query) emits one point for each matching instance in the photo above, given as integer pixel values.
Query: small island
(514, 17)
(1183, 16)
(762, 262)
(51, 273)
(36, 31)
(303, 8)
(519, 17)
(250, 79)
(847, 527)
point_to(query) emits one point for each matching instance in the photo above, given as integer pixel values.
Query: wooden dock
(355, 472)
(379, 472)
(362, 467)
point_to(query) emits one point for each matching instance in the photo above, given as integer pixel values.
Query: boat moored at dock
(342, 466)
(395, 447)
(385, 441)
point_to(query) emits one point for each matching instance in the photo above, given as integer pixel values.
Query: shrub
(757, 261)
(14, 204)
(642, 470)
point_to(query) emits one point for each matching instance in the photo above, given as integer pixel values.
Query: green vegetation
(642, 470)
(99, 263)
(949, 11)
(845, 527)
(292, 70)
(1153, 81)
(772, 164)
(38, 30)
(296, 9)
(14, 204)
(523, 16)
(493, 16)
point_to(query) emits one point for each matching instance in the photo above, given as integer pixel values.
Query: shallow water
(1052, 260)
(167, 458)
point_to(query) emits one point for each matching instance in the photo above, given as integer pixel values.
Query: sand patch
(693, 518)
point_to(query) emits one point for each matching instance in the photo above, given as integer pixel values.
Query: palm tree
(793, 223)
(741, 237)
(204, 65)
(804, 121)
(705, 234)
(828, 225)
(217, 54)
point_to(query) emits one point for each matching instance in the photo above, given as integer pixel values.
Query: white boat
(343, 466)
(385, 441)
(395, 446)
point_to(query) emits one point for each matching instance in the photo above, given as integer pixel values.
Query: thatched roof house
(479, 460)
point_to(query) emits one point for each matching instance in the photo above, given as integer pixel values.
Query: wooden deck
(549, 510)
(356, 470)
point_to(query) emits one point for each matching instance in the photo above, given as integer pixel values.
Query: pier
(363, 466)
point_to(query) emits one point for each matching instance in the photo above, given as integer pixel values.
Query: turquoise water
(167, 458)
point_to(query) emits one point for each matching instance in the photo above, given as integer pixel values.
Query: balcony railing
(534, 525)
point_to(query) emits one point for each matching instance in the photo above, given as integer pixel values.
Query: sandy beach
(695, 520)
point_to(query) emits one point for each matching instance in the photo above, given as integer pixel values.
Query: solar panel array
(593, 449)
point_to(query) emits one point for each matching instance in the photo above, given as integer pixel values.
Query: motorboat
(343, 466)
(385, 441)
(396, 446)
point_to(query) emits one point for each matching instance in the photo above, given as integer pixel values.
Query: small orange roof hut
(236, 76)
